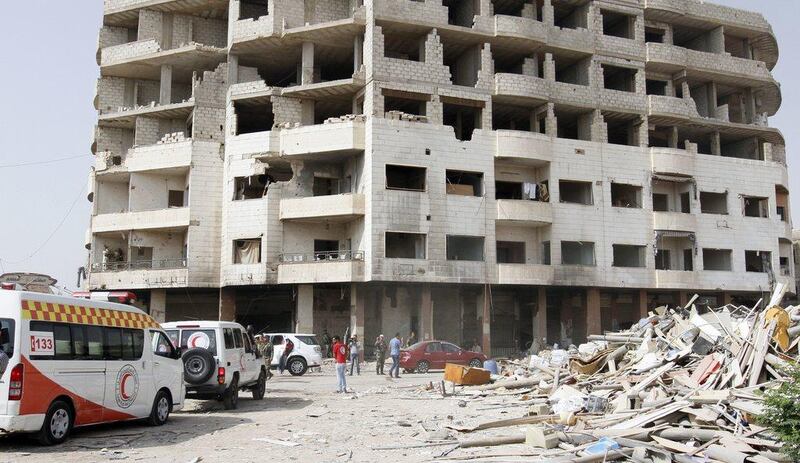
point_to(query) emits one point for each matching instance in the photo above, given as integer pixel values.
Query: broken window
(654, 35)
(402, 45)
(569, 16)
(175, 198)
(663, 261)
(660, 202)
(405, 102)
(626, 255)
(672, 193)
(464, 183)
(656, 87)
(327, 250)
(463, 119)
(619, 78)
(519, 8)
(622, 131)
(713, 203)
(757, 261)
(508, 190)
(253, 117)
(405, 245)
(570, 70)
(782, 202)
(573, 125)
(755, 206)
(545, 252)
(468, 248)
(717, 259)
(462, 12)
(247, 251)
(510, 252)
(574, 192)
(253, 9)
(252, 187)
(510, 117)
(577, 253)
(623, 195)
(405, 178)
(618, 24)
(326, 186)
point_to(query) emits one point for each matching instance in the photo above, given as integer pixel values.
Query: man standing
(340, 356)
(412, 339)
(354, 356)
(267, 351)
(380, 354)
(287, 349)
(326, 344)
(394, 352)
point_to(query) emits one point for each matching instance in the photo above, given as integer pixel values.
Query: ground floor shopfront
(502, 319)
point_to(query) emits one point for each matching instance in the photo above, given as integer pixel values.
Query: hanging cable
(39, 163)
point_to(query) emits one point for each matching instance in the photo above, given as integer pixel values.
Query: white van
(75, 362)
(306, 354)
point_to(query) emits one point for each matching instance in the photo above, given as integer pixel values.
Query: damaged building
(494, 171)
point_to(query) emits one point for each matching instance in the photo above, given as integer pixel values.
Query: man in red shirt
(340, 355)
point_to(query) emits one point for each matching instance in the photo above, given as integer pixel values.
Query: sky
(47, 117)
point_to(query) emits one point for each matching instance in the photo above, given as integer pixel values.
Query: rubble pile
(681, 385)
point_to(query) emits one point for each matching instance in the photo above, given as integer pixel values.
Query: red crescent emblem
(122, 383)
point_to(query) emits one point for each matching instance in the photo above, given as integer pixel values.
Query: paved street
(381, 412)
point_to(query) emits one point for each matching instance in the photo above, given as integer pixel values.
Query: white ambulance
(75, 362)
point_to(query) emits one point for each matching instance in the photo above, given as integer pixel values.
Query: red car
(432, 355)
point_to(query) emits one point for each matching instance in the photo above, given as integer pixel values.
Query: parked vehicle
(433, 355)
(306, 354)
(75, 362)
(219, 360)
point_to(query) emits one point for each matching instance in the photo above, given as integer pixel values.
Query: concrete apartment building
(491, 170)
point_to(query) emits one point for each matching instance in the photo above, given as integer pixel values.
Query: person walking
(380, 354)
(394, 352)
(354, 355)
(287, 349)
(340, 356)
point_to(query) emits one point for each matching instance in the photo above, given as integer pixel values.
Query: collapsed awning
(674, 234)
(672, 178)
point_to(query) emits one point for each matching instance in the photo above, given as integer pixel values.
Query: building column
(486, 328)
(305, 309)
(227, 304)
(594, 321)
(426, 314)
(233, 69)
(643, 309)
(540, 317)
(165, 93)
(158, 305)
(307, 64)
(727, 298)
(358, 53)
(357, 316)
(683, 298)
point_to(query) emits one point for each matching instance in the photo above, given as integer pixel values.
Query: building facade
(493, 171)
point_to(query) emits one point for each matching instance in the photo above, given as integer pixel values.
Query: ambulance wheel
(57, 424)
(230, 399)
(261, 386)
(160, 411)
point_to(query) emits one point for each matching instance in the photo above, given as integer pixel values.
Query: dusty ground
(379, 413)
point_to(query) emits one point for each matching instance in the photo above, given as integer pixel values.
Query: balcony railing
(162, 264)
(327, 256)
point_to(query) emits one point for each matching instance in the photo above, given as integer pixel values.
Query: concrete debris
(681, 385)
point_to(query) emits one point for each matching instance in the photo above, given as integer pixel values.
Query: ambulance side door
(129, 375)
(167, 366)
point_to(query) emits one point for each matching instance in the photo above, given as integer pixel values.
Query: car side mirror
(176, 354)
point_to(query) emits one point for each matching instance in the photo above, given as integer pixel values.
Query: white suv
(219, 360)
(306, 353)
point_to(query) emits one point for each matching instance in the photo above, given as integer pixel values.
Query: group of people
(267, 350)
(340, 354)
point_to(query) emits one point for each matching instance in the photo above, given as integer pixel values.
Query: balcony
(525, 147)
(671, 107)
(126, 117)
(333, 208)
(524, 274)
(125, 12)
(524, 212)
(339, 138)
(168, 273)
(143, 59)
(673, 161)
(410, 11)
(159, 156)
(144, 220)
(321, 267)
(725, 68)
(520, 28)
(674, 221)
(248, 30)
(519, 86)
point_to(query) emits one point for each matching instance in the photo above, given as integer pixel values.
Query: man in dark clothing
(380, 354)
(287, 349)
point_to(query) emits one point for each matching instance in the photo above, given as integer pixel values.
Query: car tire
(159, 414)
(476, 363)
(230, 399)
(297, 366)
(423, 366)
(261, 386)
(57, 425)
(198, 365)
